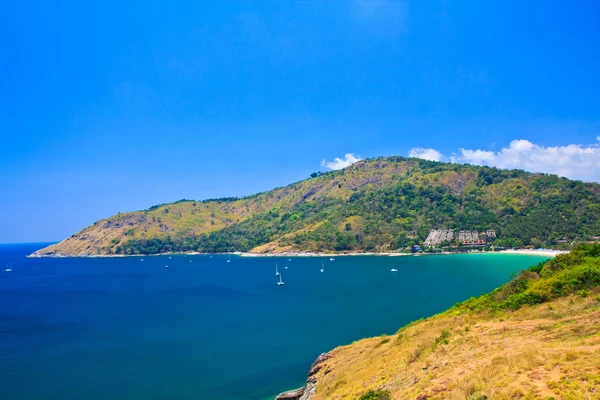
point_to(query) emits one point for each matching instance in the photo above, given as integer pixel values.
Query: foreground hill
(537, 337)
(373, 205)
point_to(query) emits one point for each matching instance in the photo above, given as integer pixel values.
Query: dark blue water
(120, 328)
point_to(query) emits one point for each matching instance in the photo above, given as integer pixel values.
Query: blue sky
(117, 106)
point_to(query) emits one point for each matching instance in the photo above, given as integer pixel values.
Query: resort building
(437, 237)
(468, 236)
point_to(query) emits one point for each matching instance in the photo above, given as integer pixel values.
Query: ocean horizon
(209, 326)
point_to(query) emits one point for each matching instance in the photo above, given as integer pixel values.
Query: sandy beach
(533, 252)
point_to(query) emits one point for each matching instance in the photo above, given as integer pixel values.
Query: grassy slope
(372, 205)
(186, 217)
(537, 337)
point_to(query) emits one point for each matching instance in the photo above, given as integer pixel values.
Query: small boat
(289, 259)
(280, 281)
(332, 259)
(169, 257)
(8, 268)
(394, 270)
(166, 266)
(276, 270)
(322, 267)
(142, 259)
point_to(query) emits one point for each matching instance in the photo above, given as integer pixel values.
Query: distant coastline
(532, 252)
(387, 204)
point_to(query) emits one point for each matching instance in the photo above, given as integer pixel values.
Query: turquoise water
(120, 328)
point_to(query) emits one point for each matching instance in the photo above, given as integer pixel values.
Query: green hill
(374, 205)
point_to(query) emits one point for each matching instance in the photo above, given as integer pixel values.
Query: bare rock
(306, 392)
(291, 394)
(316, 366)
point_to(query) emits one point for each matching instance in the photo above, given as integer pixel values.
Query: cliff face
(537, 337)
(374, 205)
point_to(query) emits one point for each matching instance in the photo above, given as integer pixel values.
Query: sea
(209, 326)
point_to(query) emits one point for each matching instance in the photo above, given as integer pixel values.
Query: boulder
(291, 394)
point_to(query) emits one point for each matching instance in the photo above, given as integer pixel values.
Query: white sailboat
(276, 270)
(280, 281)
(8, 268)
(322, 267)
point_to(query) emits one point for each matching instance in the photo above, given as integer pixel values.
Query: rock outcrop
(306, 392)
(295, 394)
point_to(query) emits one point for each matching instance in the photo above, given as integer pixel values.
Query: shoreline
(534, 252)
(531, 252)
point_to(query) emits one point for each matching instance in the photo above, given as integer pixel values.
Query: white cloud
(572, 161)
(477, 157)
(339, 163)
(426, 154)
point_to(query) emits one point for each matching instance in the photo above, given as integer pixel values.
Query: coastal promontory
(536, 337)
(375, 205)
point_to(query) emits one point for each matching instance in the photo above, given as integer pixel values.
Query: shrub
(378, 394)
(442, 339)
(566, 274)
(384, 340)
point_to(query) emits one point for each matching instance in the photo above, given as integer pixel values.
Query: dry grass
(548, 351)
(276, 246)
(192, 217)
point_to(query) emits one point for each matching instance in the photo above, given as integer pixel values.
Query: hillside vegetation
(373, 205)
(537, 337)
